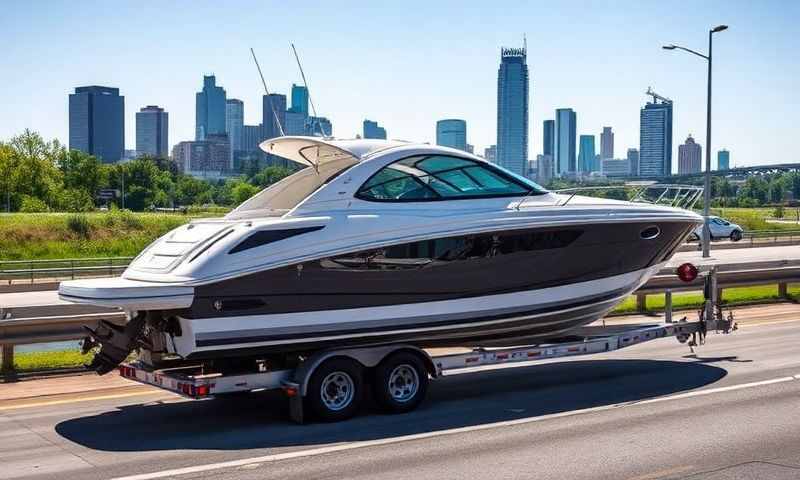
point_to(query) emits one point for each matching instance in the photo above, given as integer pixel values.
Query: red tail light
(687, 272)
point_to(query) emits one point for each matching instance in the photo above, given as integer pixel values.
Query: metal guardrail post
(72, 268)
(783, 290)
(641, 302)
(668, 305)
(7, 365)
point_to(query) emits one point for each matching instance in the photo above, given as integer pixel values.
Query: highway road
(653, 411)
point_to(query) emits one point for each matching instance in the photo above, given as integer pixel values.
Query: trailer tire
(401, 382)
(335, 389)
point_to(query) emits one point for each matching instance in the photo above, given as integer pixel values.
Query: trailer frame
(197, 382)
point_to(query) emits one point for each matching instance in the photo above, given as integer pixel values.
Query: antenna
(269, 99)
(308, 92)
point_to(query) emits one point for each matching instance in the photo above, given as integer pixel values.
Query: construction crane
(657, 96)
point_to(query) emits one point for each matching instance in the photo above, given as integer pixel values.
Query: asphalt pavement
(653, 411)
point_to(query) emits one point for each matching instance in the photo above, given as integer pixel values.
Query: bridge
(738, 172)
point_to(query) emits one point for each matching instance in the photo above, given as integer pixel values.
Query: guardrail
(24, 331)
(31, 270)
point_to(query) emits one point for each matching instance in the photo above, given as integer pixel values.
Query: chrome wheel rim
(337, 391)
(403, 383)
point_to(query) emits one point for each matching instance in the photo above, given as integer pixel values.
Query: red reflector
(290, 391)
(202, 390)
(687, 272)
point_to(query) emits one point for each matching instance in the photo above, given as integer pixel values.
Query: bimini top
(316, 151)
(326, 157)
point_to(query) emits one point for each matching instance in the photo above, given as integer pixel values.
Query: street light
(707, 187)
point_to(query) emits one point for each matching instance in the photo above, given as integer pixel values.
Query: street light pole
(707, 176)
(707, 179)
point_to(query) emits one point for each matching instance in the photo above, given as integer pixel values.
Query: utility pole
(707, 178)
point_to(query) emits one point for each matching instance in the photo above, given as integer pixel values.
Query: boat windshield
(280, 197)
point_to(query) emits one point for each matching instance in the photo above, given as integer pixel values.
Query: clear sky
(411, 63)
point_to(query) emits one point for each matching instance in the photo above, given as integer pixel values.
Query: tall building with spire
(655, 137)
(512, 110)
(209, 109)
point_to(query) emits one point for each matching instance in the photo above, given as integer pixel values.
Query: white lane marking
(419, 436)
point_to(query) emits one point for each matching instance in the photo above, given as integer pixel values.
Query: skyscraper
(689, 155)
(544, 169)
(564, 142)
(97, 122)
(319, 127)
(295, 123)
(273, 105)
(607, 143)
(209, 158)
(512, 110)
(372, 130)
(152, 132)
(655, 138)
(452, 132)
(547, 137)
(633, 161)
(299, 99)
(490, 153)
(209, 109)
(723, 160)
(586, 163)
(234, 122)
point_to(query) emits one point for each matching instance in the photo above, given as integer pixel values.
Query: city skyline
(460, 83)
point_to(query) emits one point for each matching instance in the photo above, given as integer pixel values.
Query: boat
(376, 242)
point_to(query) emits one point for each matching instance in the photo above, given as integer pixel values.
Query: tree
(270, 175)
(82, 171)
(242, 191)
(35, 173)
(8, 167)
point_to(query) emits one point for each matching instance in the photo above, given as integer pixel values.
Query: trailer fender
(369, 357)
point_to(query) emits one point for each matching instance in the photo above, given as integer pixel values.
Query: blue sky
(411, 63)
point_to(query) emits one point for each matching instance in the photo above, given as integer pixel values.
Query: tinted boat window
(441, 177)
(444, 250)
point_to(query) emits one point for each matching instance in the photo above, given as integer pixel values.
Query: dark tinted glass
(443, 250)
(441, 177)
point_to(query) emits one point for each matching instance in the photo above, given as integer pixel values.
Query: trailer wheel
(335, 389)
(401, 381)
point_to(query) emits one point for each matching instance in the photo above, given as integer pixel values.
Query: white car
(720, 228)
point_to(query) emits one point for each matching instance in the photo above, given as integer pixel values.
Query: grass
(33, 361)
(730, 297)
(39, 236)
(755, 219)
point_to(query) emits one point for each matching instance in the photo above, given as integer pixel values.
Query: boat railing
(671, 195)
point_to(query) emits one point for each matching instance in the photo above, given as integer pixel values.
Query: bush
(32, 205)
(778, 212)
(79, 225)
(74, 200)
(122, 219)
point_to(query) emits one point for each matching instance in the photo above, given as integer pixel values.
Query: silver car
(720, 229)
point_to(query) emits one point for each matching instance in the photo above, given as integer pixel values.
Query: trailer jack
(115, 342)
